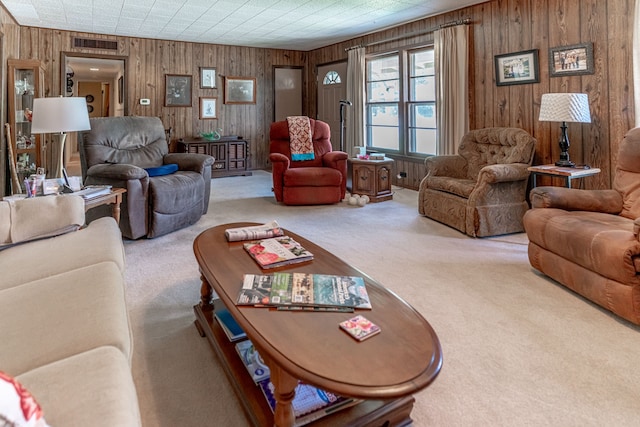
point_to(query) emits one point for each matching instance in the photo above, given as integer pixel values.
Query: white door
(332, 87)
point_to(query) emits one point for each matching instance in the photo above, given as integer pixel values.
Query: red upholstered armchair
(322, 180)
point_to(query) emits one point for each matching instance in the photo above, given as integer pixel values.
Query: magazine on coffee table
(254, 232)
(304, 290)
(277, 251)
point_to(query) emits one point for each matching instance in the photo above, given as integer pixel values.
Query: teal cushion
(162, 170)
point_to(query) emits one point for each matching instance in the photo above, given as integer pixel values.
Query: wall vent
(95, 44)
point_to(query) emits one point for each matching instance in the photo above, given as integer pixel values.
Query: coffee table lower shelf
(393, 412)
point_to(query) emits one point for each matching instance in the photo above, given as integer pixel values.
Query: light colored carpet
(519, 350)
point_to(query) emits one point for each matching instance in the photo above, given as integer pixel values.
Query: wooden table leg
(115, 208)
(206, 295)
(285, 390)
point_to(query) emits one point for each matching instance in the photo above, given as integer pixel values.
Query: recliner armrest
(573, 199)
(279, 158)
(504, 172)
(116, 172)
(335, 160)
(454, 166)
(189, 161)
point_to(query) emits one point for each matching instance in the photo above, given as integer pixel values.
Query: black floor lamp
(342, 105)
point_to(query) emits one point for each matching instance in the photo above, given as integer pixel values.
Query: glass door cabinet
(26, 80)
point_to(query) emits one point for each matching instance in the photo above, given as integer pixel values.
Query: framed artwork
(571, 60)
(240, 90)
(517, 68)
(207, 78)
(177, 90)
(208, 108)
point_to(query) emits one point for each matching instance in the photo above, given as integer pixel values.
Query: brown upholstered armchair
(588, 240)
(165, 191)
(481, 191)
(322, 180)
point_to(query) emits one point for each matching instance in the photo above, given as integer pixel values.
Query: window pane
(382, 126)
(425, 141)
(386, 68)
(422, 115)
(423, 88)
(383, 115)
(383, 91)
(422, 63)
(383, 137)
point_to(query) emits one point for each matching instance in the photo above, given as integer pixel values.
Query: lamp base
(565, 163)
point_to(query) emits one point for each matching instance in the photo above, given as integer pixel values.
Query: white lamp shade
(565, 107)
(59, 114)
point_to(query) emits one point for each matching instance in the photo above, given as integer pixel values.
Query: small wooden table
(561, 172)
(371, 178)
(385, 370)
(114, 198)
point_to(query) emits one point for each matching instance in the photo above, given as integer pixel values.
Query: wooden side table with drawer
(371, 178)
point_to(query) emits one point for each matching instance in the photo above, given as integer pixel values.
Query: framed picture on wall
(517, 68)
(208, 108)
(240, 90)
(571, 60)
(207, 78)
(177, 90)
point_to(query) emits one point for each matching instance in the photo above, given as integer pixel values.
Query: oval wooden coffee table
(385, 370)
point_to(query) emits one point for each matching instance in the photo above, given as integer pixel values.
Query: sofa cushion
(312, 177)
(18, 408)
(92, 388)
(61, 315)
(100, 241)
(596, 241)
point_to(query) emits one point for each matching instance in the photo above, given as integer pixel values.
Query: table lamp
(57, 115)
(565, 107)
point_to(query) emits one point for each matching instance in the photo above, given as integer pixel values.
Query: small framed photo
(208, 108)
(571, 60)
(177, 90)
(207, 78)
(517, 68)
(240, 90)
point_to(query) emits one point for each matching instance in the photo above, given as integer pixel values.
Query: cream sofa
(64, 328)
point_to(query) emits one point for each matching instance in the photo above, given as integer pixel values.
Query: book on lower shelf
(277, 251)
(229, 325)
(310, 403)
(252, 361)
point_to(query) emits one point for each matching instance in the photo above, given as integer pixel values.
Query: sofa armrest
(116, 172)
(454, 166)
(332, 158)
(504, 173)
(40, 217)
(189, 161)
(573, 199)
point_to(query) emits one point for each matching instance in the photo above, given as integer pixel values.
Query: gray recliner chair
(165, 191)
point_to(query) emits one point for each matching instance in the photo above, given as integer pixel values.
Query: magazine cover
(256, 290)
(330, 290)
(277, 251)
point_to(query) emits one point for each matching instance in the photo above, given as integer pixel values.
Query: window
(331, 78)
(401, 103)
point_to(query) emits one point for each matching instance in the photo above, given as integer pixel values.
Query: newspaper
(255, 232)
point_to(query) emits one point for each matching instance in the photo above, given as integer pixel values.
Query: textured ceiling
(279, 24)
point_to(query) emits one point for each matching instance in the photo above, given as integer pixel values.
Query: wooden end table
(561, 172)
(114, 198)
(385, 370)
(371, 178)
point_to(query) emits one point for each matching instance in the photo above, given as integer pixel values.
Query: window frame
(404, 103)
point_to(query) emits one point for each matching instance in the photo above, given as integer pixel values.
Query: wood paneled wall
(504, 26)
(498, 26)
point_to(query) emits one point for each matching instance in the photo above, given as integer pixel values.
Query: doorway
(100, 79)
(332, 87)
